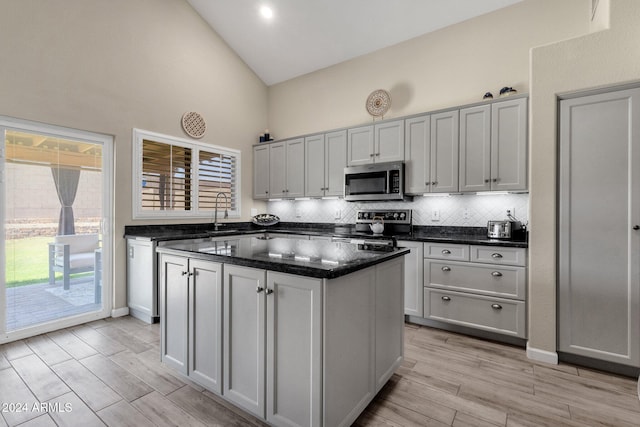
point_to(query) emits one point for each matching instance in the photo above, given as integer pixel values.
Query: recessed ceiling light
(266, 12)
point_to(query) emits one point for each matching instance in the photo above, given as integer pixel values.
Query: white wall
(452, 66)
(110, 66)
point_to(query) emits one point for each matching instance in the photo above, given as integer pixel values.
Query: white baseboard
(542, 355)
(119, 312)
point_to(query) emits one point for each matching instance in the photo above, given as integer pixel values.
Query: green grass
(27, 261)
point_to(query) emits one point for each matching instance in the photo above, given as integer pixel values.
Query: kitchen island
(296, 332)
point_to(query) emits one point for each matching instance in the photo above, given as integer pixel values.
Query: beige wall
(600, 59)
(110, 66)
(453, 66)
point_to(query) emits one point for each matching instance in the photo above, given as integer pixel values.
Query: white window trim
(138, 213)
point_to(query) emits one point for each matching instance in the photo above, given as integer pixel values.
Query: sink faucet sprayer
(226, 211)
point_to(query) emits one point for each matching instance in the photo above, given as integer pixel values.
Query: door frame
(107, 142)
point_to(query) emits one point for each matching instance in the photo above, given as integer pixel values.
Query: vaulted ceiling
(303, 36)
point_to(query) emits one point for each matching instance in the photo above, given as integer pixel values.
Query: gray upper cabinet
(493, 147)
(444, 152)
(286, 168)
(261, 171)
(325, 159)
(383, 142)
(417, 149)
(599, 227)
(475, 148)
(509, 145)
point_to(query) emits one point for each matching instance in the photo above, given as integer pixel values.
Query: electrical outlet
(337, 214)
(435, 215)
(466, 214)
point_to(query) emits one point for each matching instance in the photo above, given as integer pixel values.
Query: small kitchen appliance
(504, 229)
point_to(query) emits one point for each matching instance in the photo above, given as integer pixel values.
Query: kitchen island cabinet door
(244, 337)
(261, 171)
(294, 350)
(174, 317)
(205, 324)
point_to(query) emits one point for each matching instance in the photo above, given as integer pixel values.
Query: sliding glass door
(55, 248)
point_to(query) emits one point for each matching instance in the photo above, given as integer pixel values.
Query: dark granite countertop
(312, 258)
(443, 234)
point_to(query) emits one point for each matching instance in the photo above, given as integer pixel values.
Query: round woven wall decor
(193, 124)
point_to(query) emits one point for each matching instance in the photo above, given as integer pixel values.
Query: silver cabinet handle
(184, 273)
(259, 289)
(269, 291)
(636, 227)
(445, 268)
(191, 273)
(377, 154)
(446, 252)
(496, 255)
(496, 306)
(446, 298)
(434, 182)
(371, 155)
(496, 274)
(486, 181)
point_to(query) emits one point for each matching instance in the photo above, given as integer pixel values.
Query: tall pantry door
(599, 227)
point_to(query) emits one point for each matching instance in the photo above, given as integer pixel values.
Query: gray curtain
(66, 181)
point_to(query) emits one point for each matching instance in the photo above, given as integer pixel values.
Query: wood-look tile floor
(108, 373)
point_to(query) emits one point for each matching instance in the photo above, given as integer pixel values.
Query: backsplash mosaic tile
(455, 210)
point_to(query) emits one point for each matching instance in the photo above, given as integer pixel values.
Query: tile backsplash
(455, 210)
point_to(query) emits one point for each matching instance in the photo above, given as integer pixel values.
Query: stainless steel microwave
(377, 181)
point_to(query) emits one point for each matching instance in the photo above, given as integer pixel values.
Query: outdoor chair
(70, 254)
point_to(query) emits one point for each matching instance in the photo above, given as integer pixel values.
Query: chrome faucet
(226, 211)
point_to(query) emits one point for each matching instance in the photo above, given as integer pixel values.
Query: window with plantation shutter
(181, 178)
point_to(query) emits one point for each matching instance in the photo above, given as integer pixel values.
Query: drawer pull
(445, 268)
(496, 274)
(496, 255)
(446, 252)
(445, 298)
(496, 306)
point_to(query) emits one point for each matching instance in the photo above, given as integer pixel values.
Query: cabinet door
(277, 171)
(599, 200)
(413, 278)
(444, 152)
(244, 338)
(314, 166)
(360, 150)
(417, 149)
(205, 324)
(389, 324)
(295, 168)
(509, 145)
(294, 350)
(475, 149)
(261, 171)
(142, 289)
(389, 142)
(335, 162)
(174, 320)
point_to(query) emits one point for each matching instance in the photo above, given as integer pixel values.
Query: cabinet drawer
(494, 280)
(446, 251)
(490, 314)
(499, 255)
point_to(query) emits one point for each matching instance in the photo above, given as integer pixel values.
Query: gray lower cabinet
(482, 287)
(191, 318)
(599, 227)
(273, 343)
(142, 289)
(413, 277)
